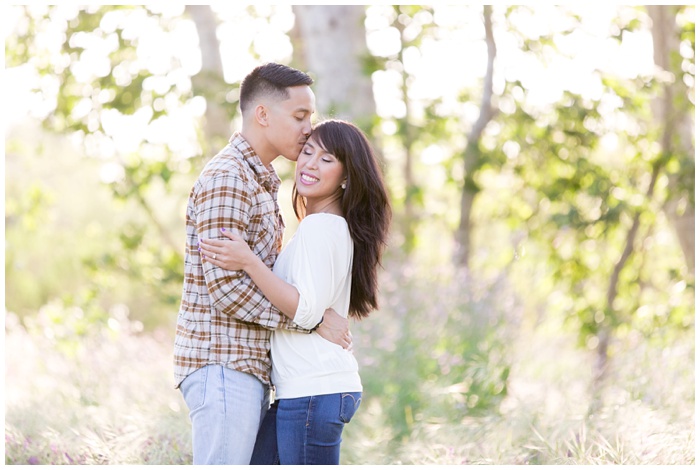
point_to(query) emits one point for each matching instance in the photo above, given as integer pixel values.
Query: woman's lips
(307, 179)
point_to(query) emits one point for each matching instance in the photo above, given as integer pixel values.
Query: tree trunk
(675, 124)
(330, 44)
(342, 89)
(604, 335)
(209, 82)
(334, 46)
(408, 220)
(471, 153)
(674, 140)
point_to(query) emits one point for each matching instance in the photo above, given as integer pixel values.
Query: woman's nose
(312, 162)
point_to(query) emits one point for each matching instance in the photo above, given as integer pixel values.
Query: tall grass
(543, 420)
(81, 392)
(103, 396)
(647, 401)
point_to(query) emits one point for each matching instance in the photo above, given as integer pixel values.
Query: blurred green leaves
(445, 342)
(100, 77)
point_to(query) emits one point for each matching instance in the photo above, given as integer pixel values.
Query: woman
(331, 262)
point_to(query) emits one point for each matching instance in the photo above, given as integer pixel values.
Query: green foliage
(421, 126)
(580, 201)
(69, 242)
(443, 344)
(97, 64)
(28, 209)
(577, 200)
(103, 35)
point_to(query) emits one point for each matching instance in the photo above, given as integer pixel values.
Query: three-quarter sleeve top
(318, 262)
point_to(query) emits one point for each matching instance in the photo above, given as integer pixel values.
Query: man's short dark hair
(270, 79)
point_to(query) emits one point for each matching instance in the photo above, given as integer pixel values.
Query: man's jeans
(226, 409)
(305, 431)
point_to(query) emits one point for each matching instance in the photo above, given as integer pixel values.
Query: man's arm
(224, 201)
(335, 329)
(332, 326)
(319, 264)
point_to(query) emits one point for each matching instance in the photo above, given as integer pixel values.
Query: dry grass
(104, 398)
(647, 417)
(107, 398)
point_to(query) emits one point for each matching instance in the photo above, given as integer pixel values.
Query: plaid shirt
(224, 318)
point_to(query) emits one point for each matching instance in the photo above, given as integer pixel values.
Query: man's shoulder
(228, 167)
(229, 159)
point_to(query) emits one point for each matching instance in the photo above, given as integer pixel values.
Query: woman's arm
(284, 296)
(236, 255)
(315, 277)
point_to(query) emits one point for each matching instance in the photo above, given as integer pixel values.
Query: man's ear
(261, 115)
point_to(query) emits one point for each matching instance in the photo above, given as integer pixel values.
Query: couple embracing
(255, 318)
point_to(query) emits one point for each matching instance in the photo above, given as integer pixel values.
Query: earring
(342, 185)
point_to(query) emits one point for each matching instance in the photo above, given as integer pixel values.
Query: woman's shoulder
(323, 224)
(324, 219)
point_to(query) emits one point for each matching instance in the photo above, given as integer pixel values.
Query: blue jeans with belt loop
(306, 430)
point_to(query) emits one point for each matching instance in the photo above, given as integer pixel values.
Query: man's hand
(334, 328)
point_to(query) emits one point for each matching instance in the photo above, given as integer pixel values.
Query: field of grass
(103, 395)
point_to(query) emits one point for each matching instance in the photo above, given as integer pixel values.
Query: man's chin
(290, 157)
(293, 160)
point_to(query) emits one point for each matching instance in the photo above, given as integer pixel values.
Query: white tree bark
(486, 113)
(209, 82)
(674, 121)
(333, 41)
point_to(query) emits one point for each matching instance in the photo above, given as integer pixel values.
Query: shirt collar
(266, 175)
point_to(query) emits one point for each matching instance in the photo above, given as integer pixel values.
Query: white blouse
(318, 262)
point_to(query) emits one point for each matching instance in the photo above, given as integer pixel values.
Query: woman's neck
(324, 206)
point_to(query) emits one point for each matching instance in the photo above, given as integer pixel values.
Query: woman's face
(318, 174)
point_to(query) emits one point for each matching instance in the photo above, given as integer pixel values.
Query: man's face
(290, 121)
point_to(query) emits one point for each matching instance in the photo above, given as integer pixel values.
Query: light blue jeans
(226, 409)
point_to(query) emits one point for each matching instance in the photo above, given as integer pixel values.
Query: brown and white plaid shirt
(224, 318)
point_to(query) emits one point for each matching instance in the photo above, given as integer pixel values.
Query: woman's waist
(317, 383)
(299, 354)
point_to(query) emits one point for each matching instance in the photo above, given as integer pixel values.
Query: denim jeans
(226, 409)
(305, 431)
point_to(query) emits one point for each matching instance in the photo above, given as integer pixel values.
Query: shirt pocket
(262, 230)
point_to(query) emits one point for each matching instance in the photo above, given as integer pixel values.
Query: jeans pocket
(194, 388)
(349, 403)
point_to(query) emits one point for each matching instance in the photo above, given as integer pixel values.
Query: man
(222, 362)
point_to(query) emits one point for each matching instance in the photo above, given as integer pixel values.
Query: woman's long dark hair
(365, 205)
